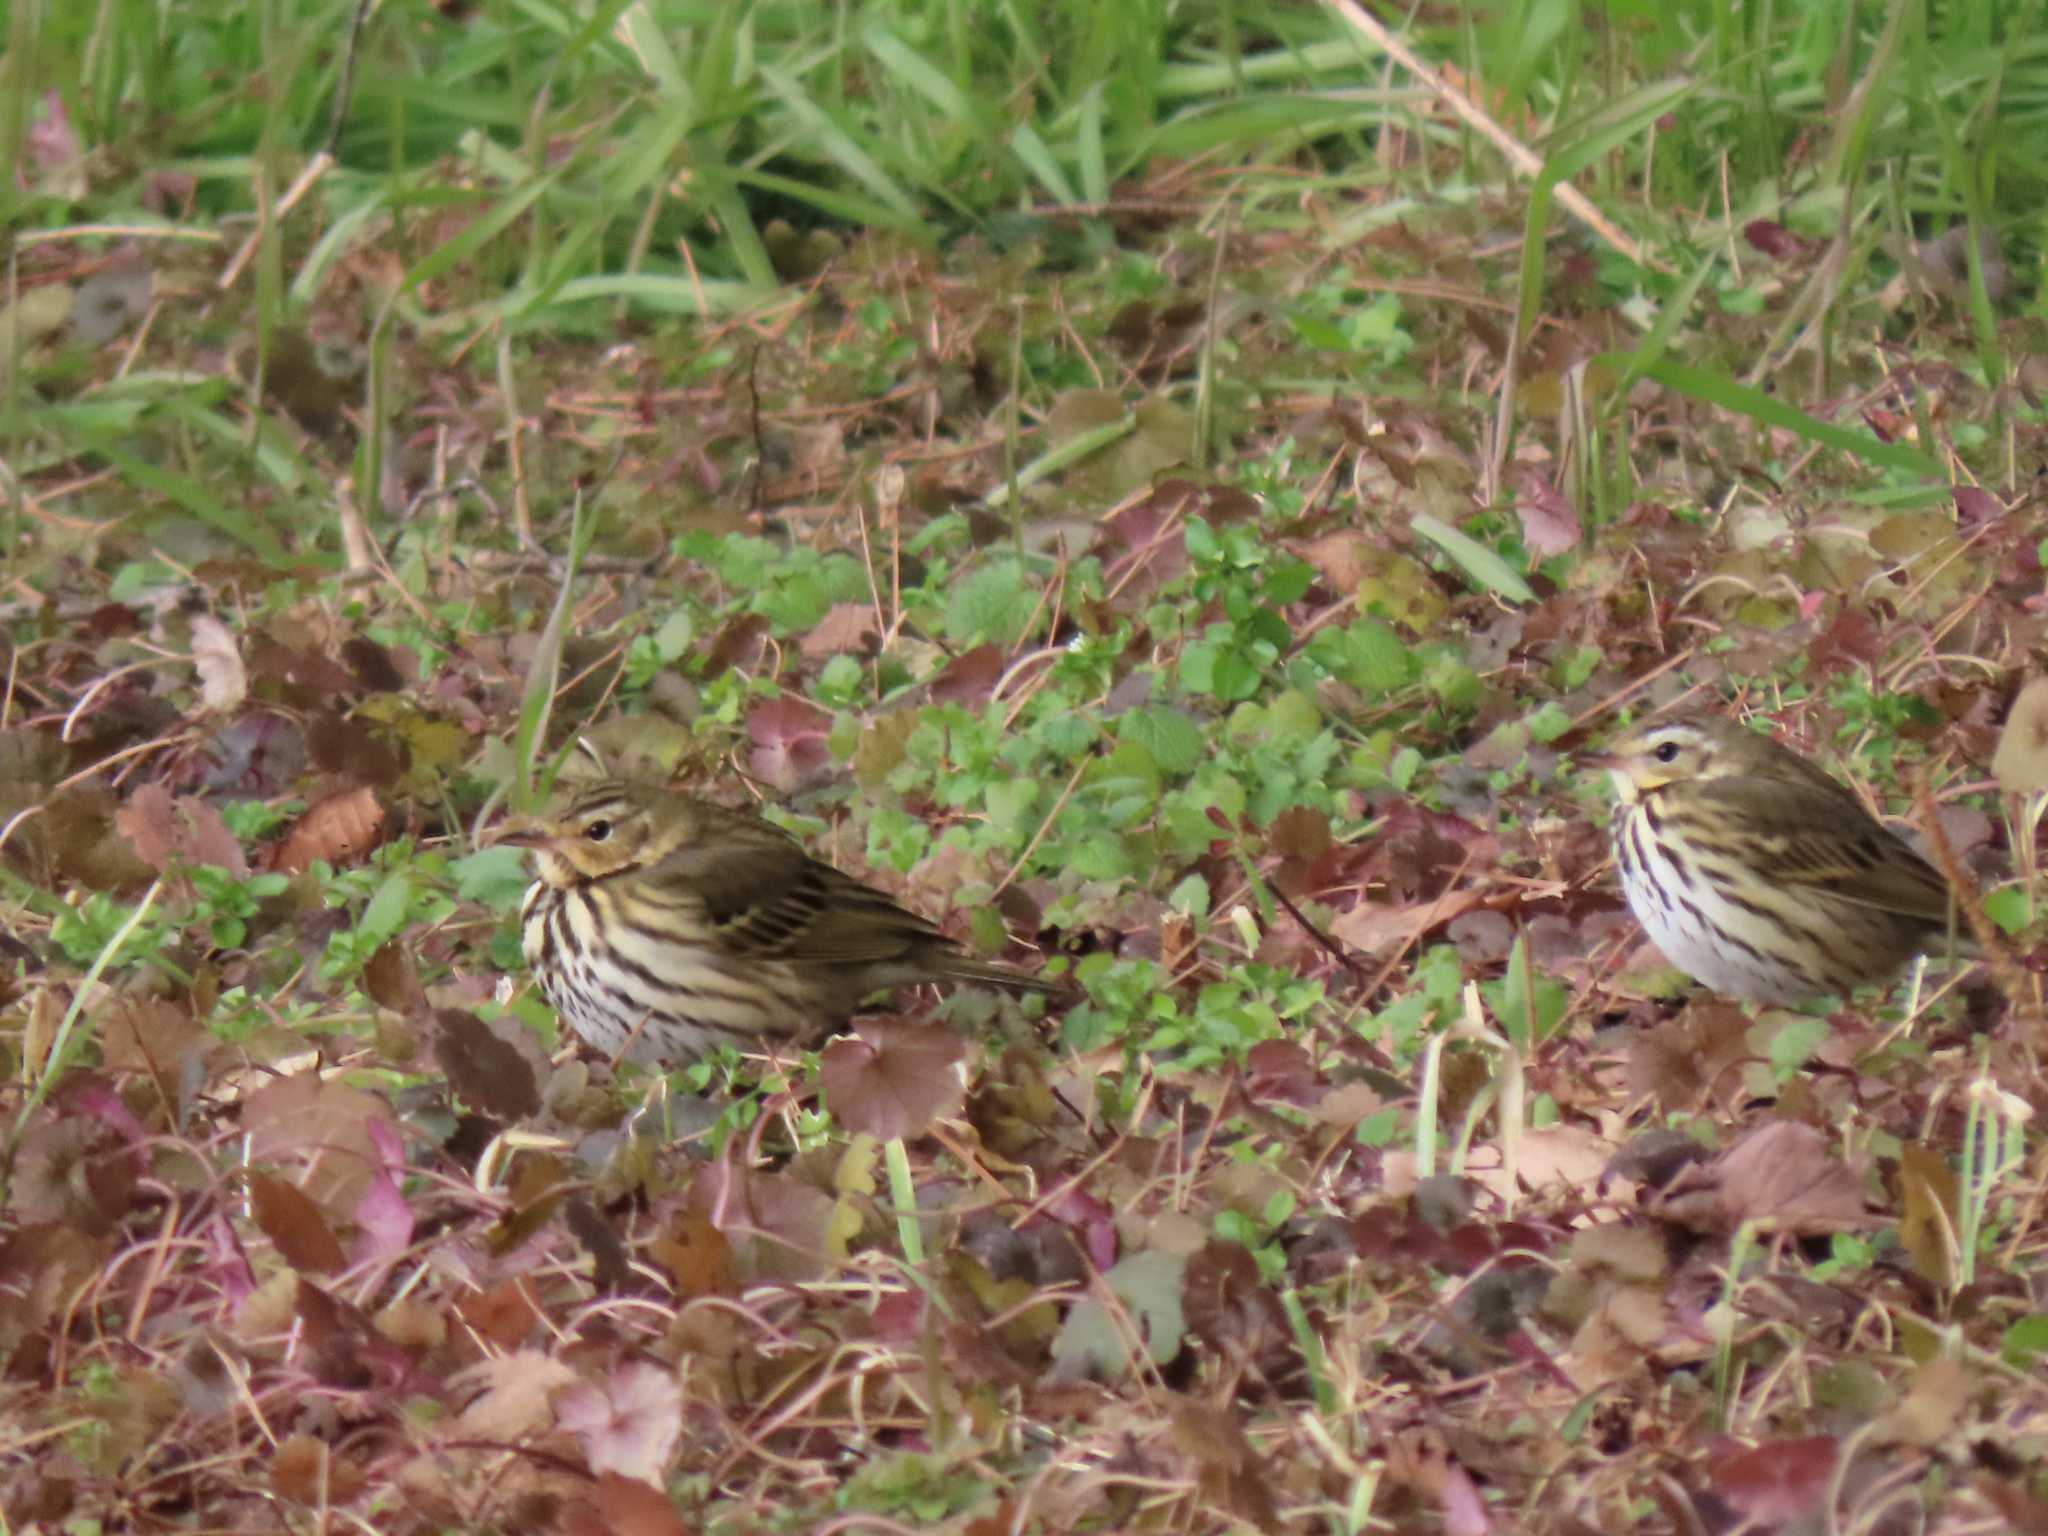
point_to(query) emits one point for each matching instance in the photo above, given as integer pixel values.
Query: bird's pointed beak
(520, 833)
(1598, 761)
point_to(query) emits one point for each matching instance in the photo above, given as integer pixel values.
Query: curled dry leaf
(338, 828)
(2021, 763)
(223, 680)
(1930, 1212)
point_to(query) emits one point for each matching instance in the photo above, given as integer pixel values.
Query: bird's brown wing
(1817, 836)
(769, 899)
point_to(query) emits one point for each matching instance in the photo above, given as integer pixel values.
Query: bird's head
(606, 830)
(1652, 756)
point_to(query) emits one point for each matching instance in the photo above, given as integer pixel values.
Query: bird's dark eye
(598, 830)
(1667, 751)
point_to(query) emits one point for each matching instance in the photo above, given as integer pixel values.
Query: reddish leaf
(778, 1225)
(1854, 638)
(151, 1035)
(1976, 506)
(1778, 1481)
(1775, 240)
(969, 678)
(74, 1172)
(629, 1424)
(324, 1124)
(1091, 1218)
(788, 735)
(1779, 1176)
(1549, 525)
(1279, 1069)
(382, 1217)
(892, 1080)
(298, 674)
(623, 1506)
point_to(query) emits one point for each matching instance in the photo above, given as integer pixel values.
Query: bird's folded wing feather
(1806, 838)
(769, 898)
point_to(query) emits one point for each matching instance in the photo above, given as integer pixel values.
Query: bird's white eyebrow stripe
(611, 800)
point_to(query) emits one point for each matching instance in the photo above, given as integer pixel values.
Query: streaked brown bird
(1758, 874)
(662, 925)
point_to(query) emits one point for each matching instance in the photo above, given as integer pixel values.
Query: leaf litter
(1273, 762)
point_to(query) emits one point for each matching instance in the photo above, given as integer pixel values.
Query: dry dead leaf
(339, 828)
(1932, 1409)
(305, 1471)
(1930, 1200)
(485, 1069)
(186, 830)
(1422, 1460)
(622, 1506)
(512, 1395)
(1777, 1482)
(848, 629)
(2021, 762)
(223, 680)
(325, 1123)
(295, 1225)
(1374, 927)
(696, 1256)
(1228, 1470)
(1779, 1177)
